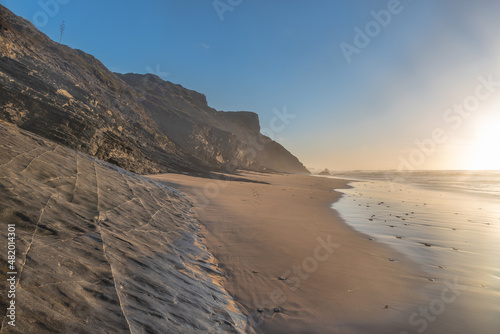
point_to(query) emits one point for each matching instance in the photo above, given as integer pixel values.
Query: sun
(486, 147)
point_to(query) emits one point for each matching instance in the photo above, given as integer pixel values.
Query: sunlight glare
(486, 148)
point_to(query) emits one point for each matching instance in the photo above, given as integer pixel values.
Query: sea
(448, 224)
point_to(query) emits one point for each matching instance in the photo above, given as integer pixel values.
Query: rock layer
(138, 122)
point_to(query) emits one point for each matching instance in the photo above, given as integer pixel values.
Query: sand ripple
(101, 250)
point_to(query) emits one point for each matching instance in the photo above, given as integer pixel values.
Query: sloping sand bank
(280, 245)
(101, 250)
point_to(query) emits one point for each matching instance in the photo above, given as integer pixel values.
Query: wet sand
(453, 234)
(292, 264)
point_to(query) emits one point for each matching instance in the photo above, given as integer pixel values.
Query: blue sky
(369, 113)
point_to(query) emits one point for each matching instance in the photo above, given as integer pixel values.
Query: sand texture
(290, 261)
(101, 250)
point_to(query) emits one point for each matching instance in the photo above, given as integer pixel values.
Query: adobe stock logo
(422, 319)
(221, 7)
(363, 37)
(50, 8)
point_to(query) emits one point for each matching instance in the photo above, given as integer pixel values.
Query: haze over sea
(448, 222)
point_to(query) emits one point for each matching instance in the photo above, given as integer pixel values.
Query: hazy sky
(364, 80)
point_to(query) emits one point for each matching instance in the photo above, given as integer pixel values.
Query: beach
(243, 253)
(217, 167)
(292, 264)
(447, 222)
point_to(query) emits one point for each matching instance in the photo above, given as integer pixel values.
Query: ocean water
(448, 223)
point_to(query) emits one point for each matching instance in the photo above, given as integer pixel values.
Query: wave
(472, 182)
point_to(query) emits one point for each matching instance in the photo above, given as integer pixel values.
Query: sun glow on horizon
(485, 151)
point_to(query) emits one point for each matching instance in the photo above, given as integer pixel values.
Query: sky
(342, 84)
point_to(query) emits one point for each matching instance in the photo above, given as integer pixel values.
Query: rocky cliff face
(138, 122)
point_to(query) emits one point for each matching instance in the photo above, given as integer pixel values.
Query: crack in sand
(79, 235)
(76, 178)
(18, 283)
(147, 187)
(187, 219)
(17, 156)
(37, 157)
(104, 250)
(119, 205)
(57, 178)
(29, 288)
(128, 185)
(135, 195)
(151, 219)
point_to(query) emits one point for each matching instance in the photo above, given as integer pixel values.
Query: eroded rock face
(102, 250)
(138, 122)
(229, 139)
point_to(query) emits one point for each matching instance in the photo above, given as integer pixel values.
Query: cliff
(138, 122)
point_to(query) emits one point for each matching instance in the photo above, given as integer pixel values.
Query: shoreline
(450, 234)
(326, 277)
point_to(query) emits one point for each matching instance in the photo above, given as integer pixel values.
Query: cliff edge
(138, 122)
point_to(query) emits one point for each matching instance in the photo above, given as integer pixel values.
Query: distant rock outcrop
(139, 122)
(325, 172)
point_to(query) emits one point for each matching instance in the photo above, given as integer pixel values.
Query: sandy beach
(292, 264)
(450, 227)
(249, 167)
